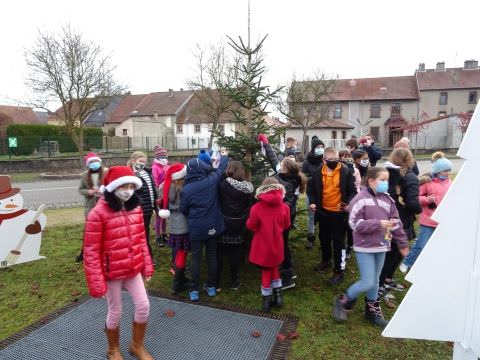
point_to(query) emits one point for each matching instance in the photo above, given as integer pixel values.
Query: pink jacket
(158, 173)
(435, 187)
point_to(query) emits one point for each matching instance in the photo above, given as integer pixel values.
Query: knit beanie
(205, 157)
(175, 172)
(91, 157)
(159, 152)
(117, 176)
(440, 163)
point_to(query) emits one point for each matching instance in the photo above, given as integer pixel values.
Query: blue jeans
(311, 217)
(424, 235)
(370, 266)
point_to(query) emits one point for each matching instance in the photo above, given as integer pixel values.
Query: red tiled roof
(162, 103)
(20, 115)
(452, 78)
(193, 114)
(273, 122)
(125, 109)
(327, 124)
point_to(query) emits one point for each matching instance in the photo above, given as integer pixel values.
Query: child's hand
(386, 224)
(404, 251)
(431, 198)
(313, 207)
(147, 278)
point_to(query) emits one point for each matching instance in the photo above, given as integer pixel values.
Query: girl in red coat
(268, 219)
(116, 256)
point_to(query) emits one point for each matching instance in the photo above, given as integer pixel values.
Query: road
(64, 193)
(53, 193)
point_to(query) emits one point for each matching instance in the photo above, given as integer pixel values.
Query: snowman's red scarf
(12, 215)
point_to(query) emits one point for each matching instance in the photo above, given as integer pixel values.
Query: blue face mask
(443, 177)
(94, 166)
(382, 187)
(319, 151)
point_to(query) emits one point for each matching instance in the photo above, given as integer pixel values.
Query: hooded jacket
(199, 199)
(269, 217)
(403, 189)
(431, 186)
(366, 211)
(114, 246)
(235, 200)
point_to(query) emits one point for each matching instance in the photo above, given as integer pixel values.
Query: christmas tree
(443, 302)
(250, 101)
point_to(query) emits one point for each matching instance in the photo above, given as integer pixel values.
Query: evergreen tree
(250, 99)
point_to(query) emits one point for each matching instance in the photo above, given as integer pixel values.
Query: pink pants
(136, 288)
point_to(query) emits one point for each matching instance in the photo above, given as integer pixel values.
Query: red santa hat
(90, 157)
(117, 176)
(176, 171)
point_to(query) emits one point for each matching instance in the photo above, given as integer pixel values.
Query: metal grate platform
(195, 332)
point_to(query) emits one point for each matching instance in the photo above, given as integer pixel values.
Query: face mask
(94, 166)
(332, 164)
(124, 195)
(319, 151)
(364, 162)
(382, 187)
(139, 166)
(161, 161)
(443, 177)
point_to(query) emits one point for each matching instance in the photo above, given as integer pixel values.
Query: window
(344, 134)
(442, 113)
(472, 97)
(443, 98)
(337, 113)
(125, 132)
(179, 128)
(221, 129)
(395, 109)
(375, 110)
(334, 134)
(196, 128)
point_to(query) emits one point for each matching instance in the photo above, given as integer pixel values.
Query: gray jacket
(90, 201)
(177, 221)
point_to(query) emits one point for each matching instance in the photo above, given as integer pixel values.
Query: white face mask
(364, 162)
(124, 195)
(161, 161)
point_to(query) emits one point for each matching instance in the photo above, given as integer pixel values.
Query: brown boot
(113, 351)
(137, 347)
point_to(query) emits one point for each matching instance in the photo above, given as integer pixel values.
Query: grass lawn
(30, 291)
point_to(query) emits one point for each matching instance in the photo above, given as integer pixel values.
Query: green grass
(30, 291)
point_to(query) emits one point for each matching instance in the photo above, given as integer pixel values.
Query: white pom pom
(164, 213)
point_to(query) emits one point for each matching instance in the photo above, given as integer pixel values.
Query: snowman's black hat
(6, 189)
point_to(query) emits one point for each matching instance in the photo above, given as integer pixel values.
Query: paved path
(54, 193)
(426, 165)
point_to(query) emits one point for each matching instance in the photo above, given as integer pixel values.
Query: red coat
(268, 219)
(114, 247)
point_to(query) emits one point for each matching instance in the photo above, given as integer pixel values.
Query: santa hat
(117, 176)
(90, 157)
(159, 151)
(176, 171)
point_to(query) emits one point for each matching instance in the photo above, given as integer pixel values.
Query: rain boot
(113, 337)
(137, 347)
(180, 281)
(373, 313)
(267, 303)
(277, 297)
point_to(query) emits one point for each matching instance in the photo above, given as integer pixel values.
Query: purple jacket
(366, 210)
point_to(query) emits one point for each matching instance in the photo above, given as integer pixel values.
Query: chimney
(440, 66)
(470, 65)
(421, 67)
(170, 92)
(181, 89)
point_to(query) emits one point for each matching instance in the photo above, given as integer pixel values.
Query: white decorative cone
(443, 302)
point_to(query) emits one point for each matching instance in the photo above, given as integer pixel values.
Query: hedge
(31, 137)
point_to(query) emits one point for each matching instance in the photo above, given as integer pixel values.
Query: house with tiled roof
(18, 115)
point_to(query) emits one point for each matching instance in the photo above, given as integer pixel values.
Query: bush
(31, 137)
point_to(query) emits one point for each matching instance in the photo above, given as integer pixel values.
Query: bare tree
(64, 67)
(308, 102)
(215, 71)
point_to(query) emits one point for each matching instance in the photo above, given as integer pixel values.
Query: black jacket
(347, 186)
(404, 190)
(374, 153)
(235, 198)
(145, 195)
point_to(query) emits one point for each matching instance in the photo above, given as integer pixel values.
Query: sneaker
(294, 275)
(339, 311)
(287, 284)
(337, 278)
(393, 285)
(211, 291)
(322, 266)
(385, 294)
(194, 295)
(234, 286)
(403, 268)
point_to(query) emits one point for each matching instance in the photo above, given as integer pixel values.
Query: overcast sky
(152, 42)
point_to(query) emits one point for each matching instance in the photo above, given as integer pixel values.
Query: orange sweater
(332, 197)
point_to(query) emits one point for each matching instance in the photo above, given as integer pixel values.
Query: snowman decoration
(20, 229)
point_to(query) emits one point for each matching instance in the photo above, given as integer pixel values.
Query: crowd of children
(210, 206)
